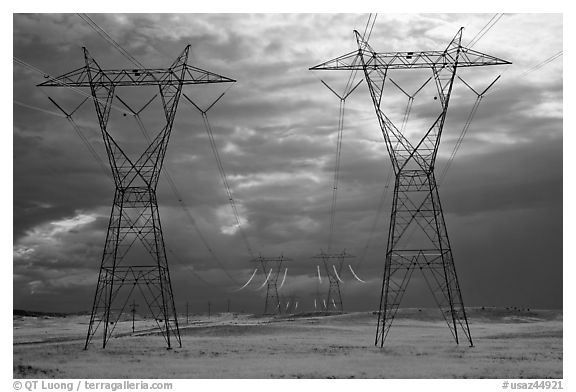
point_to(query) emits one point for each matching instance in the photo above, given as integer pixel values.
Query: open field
(508, 344)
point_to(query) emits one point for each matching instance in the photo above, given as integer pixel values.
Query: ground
(508, 343)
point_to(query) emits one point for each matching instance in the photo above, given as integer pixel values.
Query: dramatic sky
(275, 130)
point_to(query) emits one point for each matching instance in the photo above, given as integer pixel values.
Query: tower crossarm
(337, 257)
(408, 60)
(465, 57)
(136, 77)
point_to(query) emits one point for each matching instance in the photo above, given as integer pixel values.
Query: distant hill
(29, 313)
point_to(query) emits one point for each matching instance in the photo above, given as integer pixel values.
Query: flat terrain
(508, 344)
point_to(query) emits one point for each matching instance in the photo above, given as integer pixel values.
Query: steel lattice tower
(334, 296)
(416, 202)
(135, 216)
(272, 304)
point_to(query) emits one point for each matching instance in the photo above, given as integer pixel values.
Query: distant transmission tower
(291, 304)
(271, 268)
(333, 269)
(416, 203)
(135, 213)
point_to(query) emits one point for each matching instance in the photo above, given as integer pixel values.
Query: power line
(221, 170)
(348, 89)
(541, 64)
(405, 119)
(37, 108)
(479, 97)
(191, 219)
(62, 83)
(367, 23)
(111, 40)
(136, 115)
(83, 137)
(460, 138)
(336, 171)
(383, 198)
(169, 179)
(77, 129)
(372, 27)
(487, 27)
(366, 27)
(171, 183)
(495, 18)
(530, 70)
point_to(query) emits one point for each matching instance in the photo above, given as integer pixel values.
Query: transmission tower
(135, 214)
(289, 303)
(333, 270)
(271, 268)
(416, 203)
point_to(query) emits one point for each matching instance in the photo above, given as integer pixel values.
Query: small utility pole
(187, 319)
(133, 310)
(228, 306)
(208, 309)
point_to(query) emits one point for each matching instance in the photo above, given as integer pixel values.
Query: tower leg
(104, 290)
(451, 288)
(134, 217)
(272, 304)
(418, 239)
(334, 297)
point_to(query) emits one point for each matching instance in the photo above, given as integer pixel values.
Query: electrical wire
(354, 273)
(92, 151)
(366, 27)
(111, 40)
(78, 129)
(530, 70)
(340, 130)
(38, 109)
(225, 182)
(367, 23)
(284, 278)
(384, 195)
(180, 200)
(336, 173)
(377, 216)
(541, 64)
(460, 138)
(487, 27)
(64, 84)
(266, 281)
(249, 280)
(171, 183)
(336, 273)
(372, 27)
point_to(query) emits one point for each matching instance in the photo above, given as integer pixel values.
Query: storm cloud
(276, 134)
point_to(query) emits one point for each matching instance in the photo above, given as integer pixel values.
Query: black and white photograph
(287, 196)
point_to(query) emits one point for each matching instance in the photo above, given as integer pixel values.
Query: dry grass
(508, 344)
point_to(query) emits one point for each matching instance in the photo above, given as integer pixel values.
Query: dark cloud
(276, 134)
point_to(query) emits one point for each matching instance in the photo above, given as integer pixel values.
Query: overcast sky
(276, 133)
